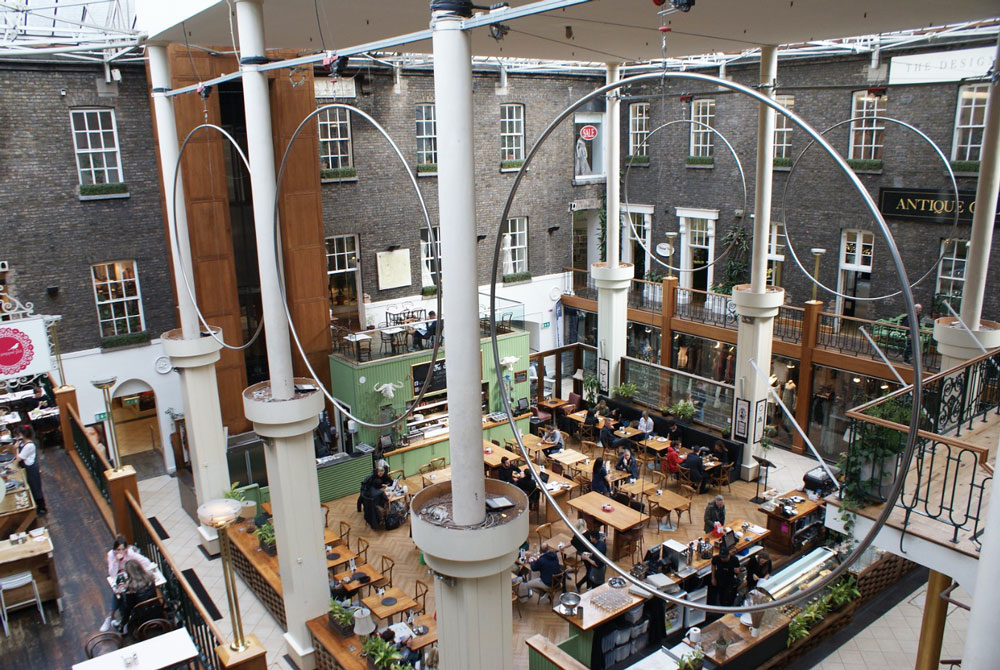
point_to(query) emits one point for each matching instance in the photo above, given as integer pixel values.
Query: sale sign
(588, 132)
(24, 348)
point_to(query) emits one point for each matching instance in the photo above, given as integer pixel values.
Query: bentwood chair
(99, 644)
(345, 533)
(558, 586)
(152, 628)
(388, 564)
(544, 533)
(438, 463)
(688, 492)
(723, 478)
(362, 552)
(420, 595)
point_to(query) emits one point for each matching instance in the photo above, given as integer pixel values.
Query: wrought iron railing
(841, 333)
(91, 457)
(659, 386)
(788, 324)
(182, 606)
(714, 309)
(646, 296)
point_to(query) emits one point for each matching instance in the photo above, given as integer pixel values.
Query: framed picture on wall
(603, 374)
(520, 376)
(760, 417)
(741, 420)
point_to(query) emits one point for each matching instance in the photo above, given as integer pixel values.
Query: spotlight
(682, 5)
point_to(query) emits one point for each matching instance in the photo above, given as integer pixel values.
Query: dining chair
(688, 492)
(420, 595)
(99, 644)
(654, 510)
(386, 567)
(152, 628)
(558, 585)
(396, 475)
(364, 350)
(722, 478)
(345, 533)
(439, 463)
(544, 532)
(426, 469)
(362, 551)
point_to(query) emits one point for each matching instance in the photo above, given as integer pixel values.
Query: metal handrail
(90, 454)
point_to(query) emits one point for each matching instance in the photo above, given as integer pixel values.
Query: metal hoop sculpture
(784, 213)
(743, 182)
(177, 244)
(911, 438)
(280, 265)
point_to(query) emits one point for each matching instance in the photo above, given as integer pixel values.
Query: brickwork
(47, 234)
(819, 203)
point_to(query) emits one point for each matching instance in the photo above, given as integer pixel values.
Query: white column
(260, 147)
(612, 278)
(954, 343)
(189, 352)
(756, 303)
(460, 301)
(279, 413)
(980, 636)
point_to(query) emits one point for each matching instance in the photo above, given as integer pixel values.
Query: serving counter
(17, 507)
(34, 555)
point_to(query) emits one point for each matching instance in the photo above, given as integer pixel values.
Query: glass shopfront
(703, 357)
(833, 393)
(643, 341)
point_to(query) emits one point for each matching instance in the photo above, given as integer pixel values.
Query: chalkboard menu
(438, 382)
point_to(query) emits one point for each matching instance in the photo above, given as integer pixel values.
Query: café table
(14, 396)
(162, 651)
(357, 339)
(552, 404)
(418, 642)
(397, 334)
(18, 510)
(353, 585)
(341, 555)
(388, 605)
(656, 444)
(627, 432)
(581, 416)
(10, 418)
(568, 457)
(492, 455)
(558, 486)
(436, 477)
(671, 502)
(587, 468)
(621, 517)
(43, 413)
(638, 487)
(535, 446)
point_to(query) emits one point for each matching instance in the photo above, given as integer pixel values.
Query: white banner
(24, 348)
(940, 66)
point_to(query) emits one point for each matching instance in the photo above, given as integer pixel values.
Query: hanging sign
(588, 132)
(24, 348)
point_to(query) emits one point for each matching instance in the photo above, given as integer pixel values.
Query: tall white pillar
(470, 560)
(612, 278)
(189, 352)
(757, 304)
(459, 298)
(280, 412)
(954, 342)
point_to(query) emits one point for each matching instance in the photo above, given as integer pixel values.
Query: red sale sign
(588, 132)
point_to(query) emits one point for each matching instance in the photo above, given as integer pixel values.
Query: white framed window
(512, 132)
(776, 254)
(428, 253)
(95, 137)
(856, 250)
(702, 111)
(344, 281)
(638, 129)
(866, 131)
(783, 128)
(951, 271)
(118, 298)
(341, 253)
(588, 147)
(854, 278)
(427, 147)
(636, 225)
(697, 247)
(515, 238)
(970, 121)
(335, 150)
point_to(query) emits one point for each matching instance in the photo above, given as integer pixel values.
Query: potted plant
(871, 465)
(625, 391)
(591, 386)
(844, 592)
(693, 661)
(341, 618)
(683, 410)
(381, 655)
(248, 507)
(721, 645)
(265, 536)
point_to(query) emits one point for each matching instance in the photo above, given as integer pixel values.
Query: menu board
(438, 382)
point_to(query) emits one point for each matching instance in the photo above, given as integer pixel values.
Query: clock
(16, 351)
(163, 365)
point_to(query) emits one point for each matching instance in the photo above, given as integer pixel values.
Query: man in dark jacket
(546, 565)
(627, 464)
(693, 464)
(715, 511)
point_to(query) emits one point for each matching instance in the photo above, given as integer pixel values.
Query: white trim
(696, 213)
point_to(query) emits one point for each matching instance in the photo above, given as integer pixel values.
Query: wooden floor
(534, 618)
(81, 540)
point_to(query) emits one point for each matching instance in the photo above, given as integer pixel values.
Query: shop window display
(834, 392)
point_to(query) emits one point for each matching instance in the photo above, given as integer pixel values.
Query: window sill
(105, 196)
(782, 168)
(699, 166)
(426, 174)
(628, 164)
(345, 180)
(963, 175)
(583, 181)
(517, 169)
(516, 283)
(867, 171)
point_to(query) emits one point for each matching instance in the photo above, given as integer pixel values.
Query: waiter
(27, 456)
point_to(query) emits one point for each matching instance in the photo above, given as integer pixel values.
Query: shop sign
(923, 204)
(941, 66)
(24, 348)
(588, 132)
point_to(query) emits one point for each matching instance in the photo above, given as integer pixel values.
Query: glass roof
(79, 29)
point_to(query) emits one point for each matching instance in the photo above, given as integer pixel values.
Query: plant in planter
(381, 655)
(265, 536)
(693, 661)
(626, 391)
(721, 645)
(843, 592)
(247, 507)
(591, 385)
(683, 410)
(869, 464)
(341, 618)
(737, 268)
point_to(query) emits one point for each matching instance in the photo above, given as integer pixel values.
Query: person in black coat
(140, 587)
(505, 472)
(758, 568)
(725, 569)
(599, 479)
(626, 463)
(420, 338)
(696, 469)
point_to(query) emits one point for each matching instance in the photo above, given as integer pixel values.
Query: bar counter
(14, 519)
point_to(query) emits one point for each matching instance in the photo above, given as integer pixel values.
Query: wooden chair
(99, 644)
(152, 628)
(688, 492)
(364, 348)
(420, 595)
(585, 483)
(388, 563)
(544, 532)
(722, 478)
(684, 478)
(396, 475)
(565, 437)
(587, 433)
(654, 510)
(151, 608)
(558, 586)
(515, 601)
(362, 551)
(426, 469)
(439, 463)
(660, 479)
(324, 512)
(345, 533)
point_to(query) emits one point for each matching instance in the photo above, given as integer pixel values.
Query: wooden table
(357, 339)
(581, 416)
(14, 519)
(535, 446)
(344, 555)
(627, 432)
(10, 418)
(553, 404)
(785, 528)
(354, 585)
(418, 642)
(568, 457)
(613, 475)
(403, 603)
(621, 517)
(436, 477)
(638, 487)
(671, 502)
(565, 486)
(654, 444)
(592, 615)
(496, 454)
(163, 651)
(36, 556)
(738, 635)
(748, 540)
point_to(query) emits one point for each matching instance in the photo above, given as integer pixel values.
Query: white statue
(388, 390)
(582, 163)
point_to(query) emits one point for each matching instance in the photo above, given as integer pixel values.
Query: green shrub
(103, 189)
(341, 614)
(636, 160)
(783, 162)
(125, 339)
(429, 290)
(864, 164)
(699, 160)
(965, 166)
(425, 168)
(682, 409)
(339, 173)
(511, 165)
(516, 277)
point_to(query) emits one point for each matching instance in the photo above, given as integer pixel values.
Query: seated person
(608, 437)
(715, 510)
(546, 564)
(121, 553)
(645, 427)
(599, 479)
(506, 471)
(406, 654)
(671, 461)
(422, 334)
(720, 451)
(525, 482)
(696, 469)
(674, 432)
(554, 438)
(141, 586)
(758, 568)
(602, 410)
(628, 464)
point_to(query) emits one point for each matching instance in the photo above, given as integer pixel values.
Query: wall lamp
(480, 237)
(553, 229)
(392, 247)
(52, 291)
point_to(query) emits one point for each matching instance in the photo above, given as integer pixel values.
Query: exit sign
(546, 324)
(102, 416)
